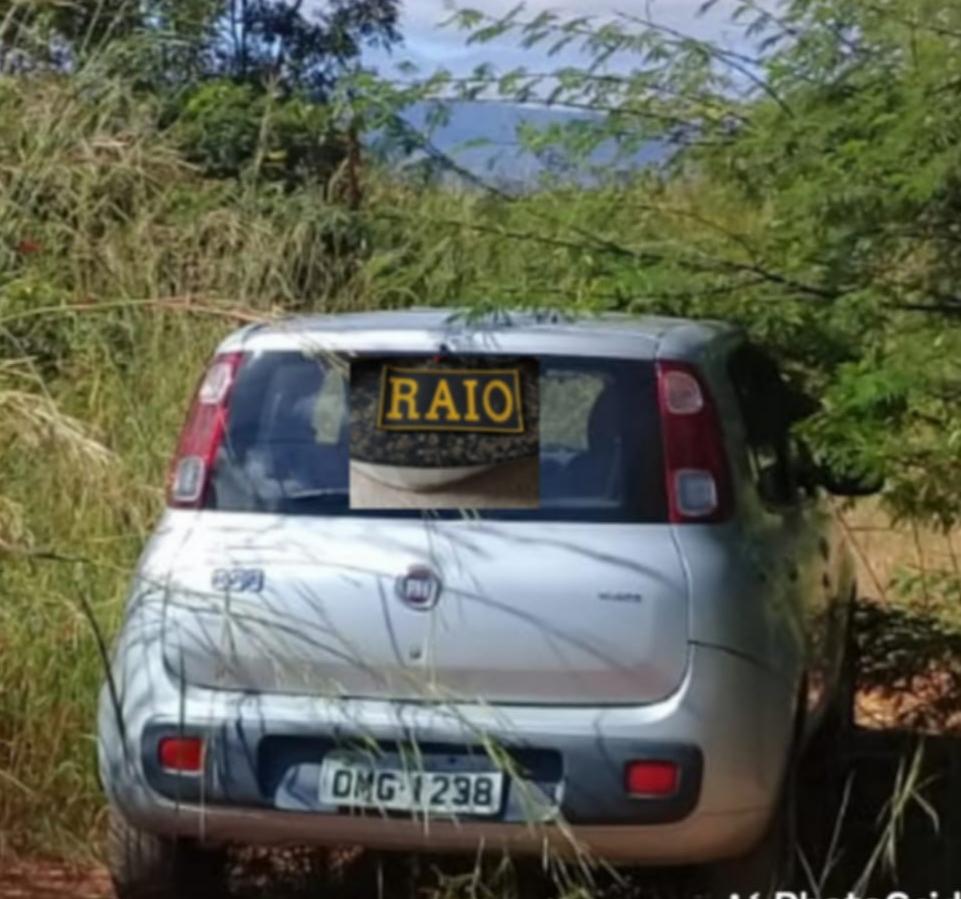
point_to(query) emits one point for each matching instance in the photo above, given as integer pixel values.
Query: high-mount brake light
(697, 472)
(202, 433)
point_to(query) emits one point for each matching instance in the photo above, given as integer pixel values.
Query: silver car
(625, 672)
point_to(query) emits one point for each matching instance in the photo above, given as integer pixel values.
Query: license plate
(358, 784)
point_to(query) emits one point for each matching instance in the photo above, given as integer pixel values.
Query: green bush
(231, 129)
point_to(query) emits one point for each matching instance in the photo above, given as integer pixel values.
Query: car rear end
(294, 670)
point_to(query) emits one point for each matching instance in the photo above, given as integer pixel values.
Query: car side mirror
(813, 474)
(840, 483)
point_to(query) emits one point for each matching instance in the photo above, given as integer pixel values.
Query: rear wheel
(146, 866)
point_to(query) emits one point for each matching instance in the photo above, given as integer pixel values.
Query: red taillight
(182, 755)
(651, 779)
(202, 433)
(695, 461)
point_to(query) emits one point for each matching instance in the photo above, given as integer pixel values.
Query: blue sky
(430, 46)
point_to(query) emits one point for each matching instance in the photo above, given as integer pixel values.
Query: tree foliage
(244, 81)
(275, 40)
(811, 191)
(287, 42)
(228, 128)
(812, 194)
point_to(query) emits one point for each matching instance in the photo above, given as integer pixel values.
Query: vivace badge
(480, 401)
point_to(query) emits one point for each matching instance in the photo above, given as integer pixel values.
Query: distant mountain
(501, 159)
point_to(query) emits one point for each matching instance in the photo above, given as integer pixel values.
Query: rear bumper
(729, 727)
(275, 764)
(701, 838)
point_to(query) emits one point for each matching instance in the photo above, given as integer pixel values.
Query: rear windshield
(287, 445)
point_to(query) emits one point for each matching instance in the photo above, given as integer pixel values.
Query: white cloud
(429, 45)
(424, 15)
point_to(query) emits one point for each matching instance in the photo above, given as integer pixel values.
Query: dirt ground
(51, 880)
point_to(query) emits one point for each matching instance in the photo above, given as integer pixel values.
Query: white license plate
(358, 784)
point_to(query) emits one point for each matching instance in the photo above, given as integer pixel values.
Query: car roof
(464, 331)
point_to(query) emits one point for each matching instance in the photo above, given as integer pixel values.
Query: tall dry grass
(119, 271)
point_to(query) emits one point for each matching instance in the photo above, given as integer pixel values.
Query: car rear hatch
(271, 583)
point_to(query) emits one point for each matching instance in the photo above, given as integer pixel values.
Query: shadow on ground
(888, 795)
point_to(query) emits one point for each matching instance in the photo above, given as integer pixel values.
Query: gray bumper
(275, 764)
(729, 728)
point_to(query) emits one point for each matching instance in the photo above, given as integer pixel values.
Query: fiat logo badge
(419, 588)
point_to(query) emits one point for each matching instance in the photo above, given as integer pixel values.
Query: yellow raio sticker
(483, 401)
